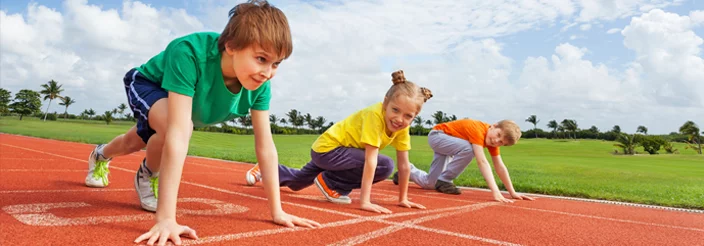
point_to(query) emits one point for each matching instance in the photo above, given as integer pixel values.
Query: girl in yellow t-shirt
(347, 157)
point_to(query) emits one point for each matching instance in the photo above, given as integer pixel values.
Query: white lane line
(567, 213)
(62, 191)
(413, 223)
(349, 214)
(361, 219)
(358, 220)
(608, 219)
(44, 170)
(432, 197)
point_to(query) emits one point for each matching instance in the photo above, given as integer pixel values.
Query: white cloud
(697, 17)
(344, 53)
(668, 51)
(613, 30)
(617, 9)
(85, 48)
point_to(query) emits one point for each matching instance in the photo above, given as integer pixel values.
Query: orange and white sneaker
(332, 195)
(253, 175)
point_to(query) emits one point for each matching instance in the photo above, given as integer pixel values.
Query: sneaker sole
(98, 185)
(139, 196)
(93, 185)
(251, 179)
(328, 197)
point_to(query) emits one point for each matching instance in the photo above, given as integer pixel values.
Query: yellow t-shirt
(363, 127)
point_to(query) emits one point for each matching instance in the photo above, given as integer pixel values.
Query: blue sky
(344, 51)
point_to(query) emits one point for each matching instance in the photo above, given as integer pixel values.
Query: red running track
(44, 201)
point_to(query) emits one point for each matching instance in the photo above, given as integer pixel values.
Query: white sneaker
(97, 169)
(146, 184)
(253, 175)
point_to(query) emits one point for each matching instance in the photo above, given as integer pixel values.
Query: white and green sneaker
(98, 168)
(146, 184)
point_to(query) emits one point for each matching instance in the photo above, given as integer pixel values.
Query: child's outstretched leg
(344, 170)
(99, 159)
(444, 145)
(295, 179)
(427, 180)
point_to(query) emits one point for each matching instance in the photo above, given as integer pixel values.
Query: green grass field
(582, 168)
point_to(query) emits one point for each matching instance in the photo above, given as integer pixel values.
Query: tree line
(29, 102)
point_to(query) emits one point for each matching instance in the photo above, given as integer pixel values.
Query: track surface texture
(43, 201)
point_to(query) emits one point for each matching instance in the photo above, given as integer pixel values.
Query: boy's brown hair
(257, 22)
(403, 87)
(511, 131)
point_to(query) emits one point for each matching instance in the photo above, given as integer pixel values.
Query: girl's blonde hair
(403, 87)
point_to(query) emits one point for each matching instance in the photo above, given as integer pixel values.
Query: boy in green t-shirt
(200, 79)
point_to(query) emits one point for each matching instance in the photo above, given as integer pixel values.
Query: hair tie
(397, 77)
(427, 94)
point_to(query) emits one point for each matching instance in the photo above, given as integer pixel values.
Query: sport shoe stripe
(330, 192)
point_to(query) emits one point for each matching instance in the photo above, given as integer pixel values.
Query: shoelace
(154, 184)
(101, 171)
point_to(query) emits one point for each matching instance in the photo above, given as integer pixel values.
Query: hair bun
(427, 94)
(397, 77)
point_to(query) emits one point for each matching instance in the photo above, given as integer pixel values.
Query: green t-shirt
(190, 65)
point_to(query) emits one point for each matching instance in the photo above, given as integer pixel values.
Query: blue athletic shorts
(141, 95)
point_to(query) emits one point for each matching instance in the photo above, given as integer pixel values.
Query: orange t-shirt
(473, 131)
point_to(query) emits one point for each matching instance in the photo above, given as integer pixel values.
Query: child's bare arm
(178, 133)
(485, 169)
(404, 173)
(371, 155)
(267, 157)
(268, 160)
(502, 171)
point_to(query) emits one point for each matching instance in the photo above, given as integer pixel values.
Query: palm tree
(309, 121)
(319, 122)
(418, 120)
(273, 120)
(91, 112)
(572, 126)
(692, 130)
(51, 91)
(627, 142)
(66, 101)
(84, 114)
(283, 121)
(534, 120)
(293, 116)
(642, 129)
(439, 117)
(419, 123)
(108, 117)
(429, 123)
(245, 121)
(616, 129)
(121, 109)
(594, 129)
(553, 125)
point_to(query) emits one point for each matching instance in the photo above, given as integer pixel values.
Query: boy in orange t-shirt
(463, 140)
